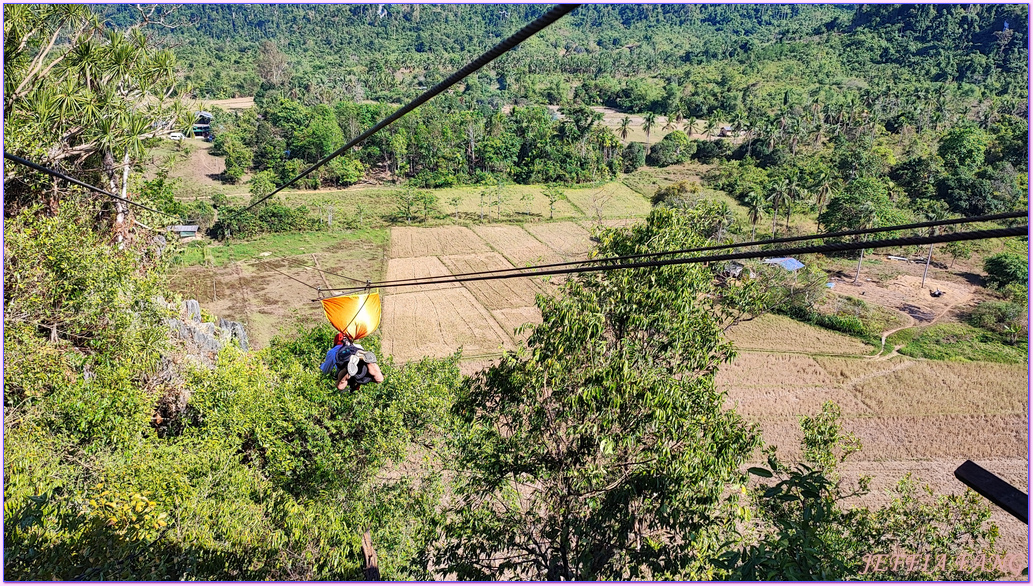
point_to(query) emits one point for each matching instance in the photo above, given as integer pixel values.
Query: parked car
(177, 136)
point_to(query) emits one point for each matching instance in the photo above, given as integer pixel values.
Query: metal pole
(927, 259)
(859, 266)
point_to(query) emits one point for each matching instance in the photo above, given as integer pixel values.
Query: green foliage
(1005, 268)
(64, 279)
(963, 149)
(261, 185)
(271, 217)
(674, 148)
(575, 453)
(864, 203)
(1003, 317)
(958, 342)
(633, 156)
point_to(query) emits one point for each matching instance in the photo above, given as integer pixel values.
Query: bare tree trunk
(371, 567)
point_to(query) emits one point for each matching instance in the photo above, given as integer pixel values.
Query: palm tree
(690, 125)
(669, 124)
(624, 128)
(725, 218)
(710, 127)
(868, 218)
(755, 209)
(648, 123)
(779, 191)
(824, 187)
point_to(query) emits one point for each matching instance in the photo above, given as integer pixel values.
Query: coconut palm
(669, 124)
(648, 123)
(823, 189)
(624, 128)
(690, 125)
(710, 127)
(777, 195)
(754, 209)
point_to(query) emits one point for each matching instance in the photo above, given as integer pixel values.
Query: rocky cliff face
(198, 343)
(203, 340)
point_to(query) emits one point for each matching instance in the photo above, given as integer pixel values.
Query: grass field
(200, 252)
(954, 341)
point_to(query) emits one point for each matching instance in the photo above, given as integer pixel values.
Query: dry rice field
(480, 316)
(912, 416)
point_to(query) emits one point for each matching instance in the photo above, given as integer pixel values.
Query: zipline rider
(354, 365)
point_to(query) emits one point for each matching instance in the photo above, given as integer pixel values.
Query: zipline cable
(60, 175)
(290, 277)
(818, 249)
(930, 224)
(522, 35)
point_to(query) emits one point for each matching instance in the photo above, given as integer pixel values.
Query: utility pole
(927, 260)
(858, 274)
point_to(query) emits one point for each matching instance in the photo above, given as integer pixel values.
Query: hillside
(165, 415)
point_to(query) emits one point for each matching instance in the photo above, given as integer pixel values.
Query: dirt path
(912, 323)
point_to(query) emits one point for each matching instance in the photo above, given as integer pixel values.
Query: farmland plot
(437, 323)
(567, 238)
(415, 242)
(422, 267)
(517, 245)
(613, 200)
(779, 333)
(493, 294)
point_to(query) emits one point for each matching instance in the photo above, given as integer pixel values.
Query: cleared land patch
(752, 369)
(612, 200)
(437, 323)
(517, 245)
(493, 294)
(779, 333)
(414, 242)
(566, 238)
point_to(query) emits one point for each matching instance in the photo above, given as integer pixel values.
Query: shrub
(1006, 268)
(634, 156)
(674, 148)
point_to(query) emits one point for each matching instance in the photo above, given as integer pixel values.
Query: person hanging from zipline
(351, 364)
(354, 317)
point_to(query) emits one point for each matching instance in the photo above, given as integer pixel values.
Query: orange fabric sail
(354, 315)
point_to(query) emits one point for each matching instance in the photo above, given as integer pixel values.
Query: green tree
(407, 200)
(624, 128)
(958, 249)
(755, 209)
(85, 98)
(1005, 268)
(963, 149)
(593, 455)
(648, 123)
(427, 200)
(863, 201)
(554, 194)
(261, 185)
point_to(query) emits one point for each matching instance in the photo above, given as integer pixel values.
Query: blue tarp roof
(789, 264)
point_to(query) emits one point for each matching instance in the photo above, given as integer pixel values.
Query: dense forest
(602, 448)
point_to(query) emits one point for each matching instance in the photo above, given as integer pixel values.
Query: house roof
(789, 264)
(182, 228)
